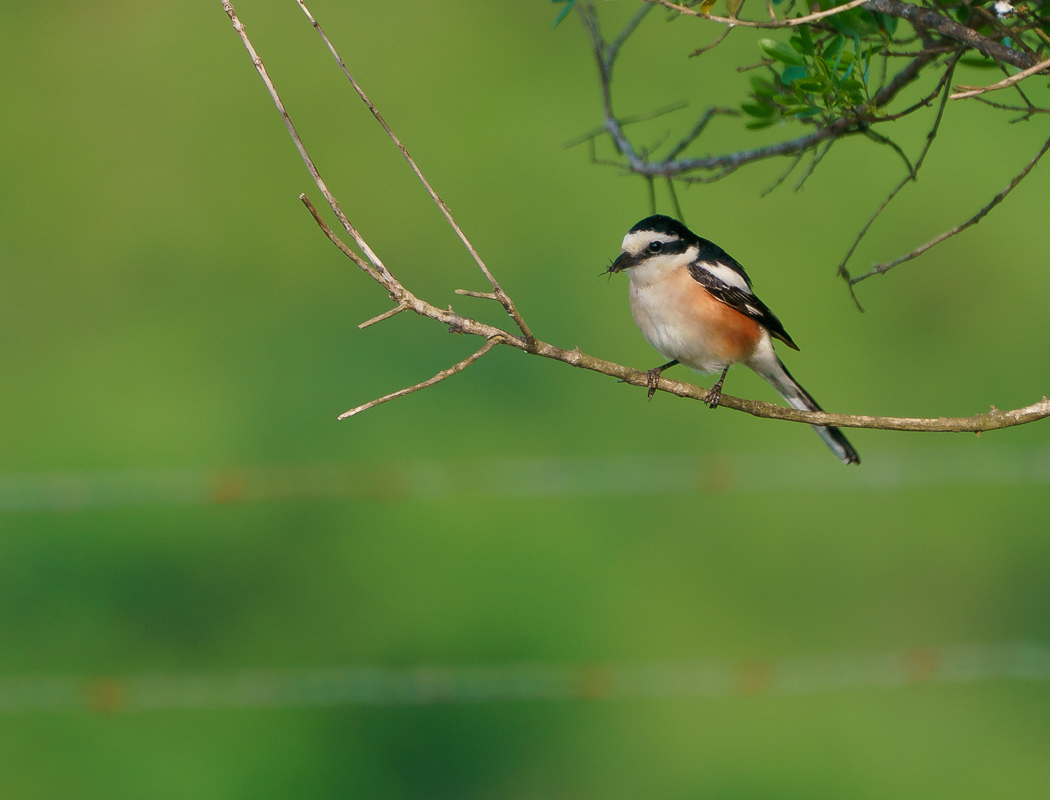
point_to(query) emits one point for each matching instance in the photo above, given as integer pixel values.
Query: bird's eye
(655, 247)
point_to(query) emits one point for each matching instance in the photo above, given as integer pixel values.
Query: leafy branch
(833, 74)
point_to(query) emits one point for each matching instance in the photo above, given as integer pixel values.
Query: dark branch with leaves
(832, 72)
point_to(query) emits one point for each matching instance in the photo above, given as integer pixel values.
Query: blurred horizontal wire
(523, 477)
(378, 686)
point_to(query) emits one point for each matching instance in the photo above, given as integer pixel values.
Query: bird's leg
(714, 394)
(652, 377)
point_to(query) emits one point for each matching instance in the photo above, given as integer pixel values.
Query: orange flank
(729, 335)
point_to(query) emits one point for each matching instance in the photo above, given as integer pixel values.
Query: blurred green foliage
(168, 303)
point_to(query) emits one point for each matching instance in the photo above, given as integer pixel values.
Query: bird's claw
(652, 380)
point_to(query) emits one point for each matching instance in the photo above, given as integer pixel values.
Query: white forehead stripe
(727, 275)
(636, 241)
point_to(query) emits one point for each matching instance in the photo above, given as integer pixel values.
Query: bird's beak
(622, 262)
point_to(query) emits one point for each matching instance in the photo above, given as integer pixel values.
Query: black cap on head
(664, 224)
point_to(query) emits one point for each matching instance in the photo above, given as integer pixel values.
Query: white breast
(666, 314)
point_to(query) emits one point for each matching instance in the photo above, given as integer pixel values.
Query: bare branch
(482, 295)
(333, 238)
(670, 166)
(878, 269)
(1020, 76)
(992, 420)
(721, 38)
(596, 132)
(927, 18)
(445, 373)
(783, 176)
(943, 84)
(385, 315)
(698, 129)
(380, 272)
(504, 299)
(775, 23)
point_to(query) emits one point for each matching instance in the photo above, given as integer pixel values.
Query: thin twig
(896, 148)
(482, 295)
(973, 91)
(918, 251)
(674, 200)
(721, 38)
(747, 23)
(628, 29)
(650, 115)
(508, 304)
(818, 156)
(378, 271)
(699, 128)
(445, 373)
(1006, 107)
(335, 239)
(783, 176)
(385, 315)
(943, 84)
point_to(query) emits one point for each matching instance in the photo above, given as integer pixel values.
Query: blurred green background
(169, 309)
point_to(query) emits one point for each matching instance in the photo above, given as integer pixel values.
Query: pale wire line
(465, 685)
(597, 476)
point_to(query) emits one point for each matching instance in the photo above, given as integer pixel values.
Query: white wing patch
(728, 275)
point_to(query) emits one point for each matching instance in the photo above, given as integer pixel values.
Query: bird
(693, 302)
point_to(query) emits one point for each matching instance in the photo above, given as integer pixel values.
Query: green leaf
(808, 114)
(792, 74)
(854, 22)
(832, 48)
(811, 83)
(569, 5)
(758, 124)
(787, 99)
(807, 40)
(779, 51)
(761, 85)
(886, 22)
(758, 109)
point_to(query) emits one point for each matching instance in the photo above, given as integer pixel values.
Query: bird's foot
(652, 380)
(714, 394)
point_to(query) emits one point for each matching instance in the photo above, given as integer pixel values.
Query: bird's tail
(799, 398)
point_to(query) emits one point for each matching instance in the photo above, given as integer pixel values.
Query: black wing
(733, 296)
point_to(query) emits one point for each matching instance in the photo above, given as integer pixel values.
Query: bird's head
(654, 241)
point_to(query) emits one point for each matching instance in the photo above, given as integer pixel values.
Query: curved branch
(456, 323)
(944, 25)
(747, 23)
(501, 296)
(445, 373)
(878, 269)
(925, 17)
(973, 91)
